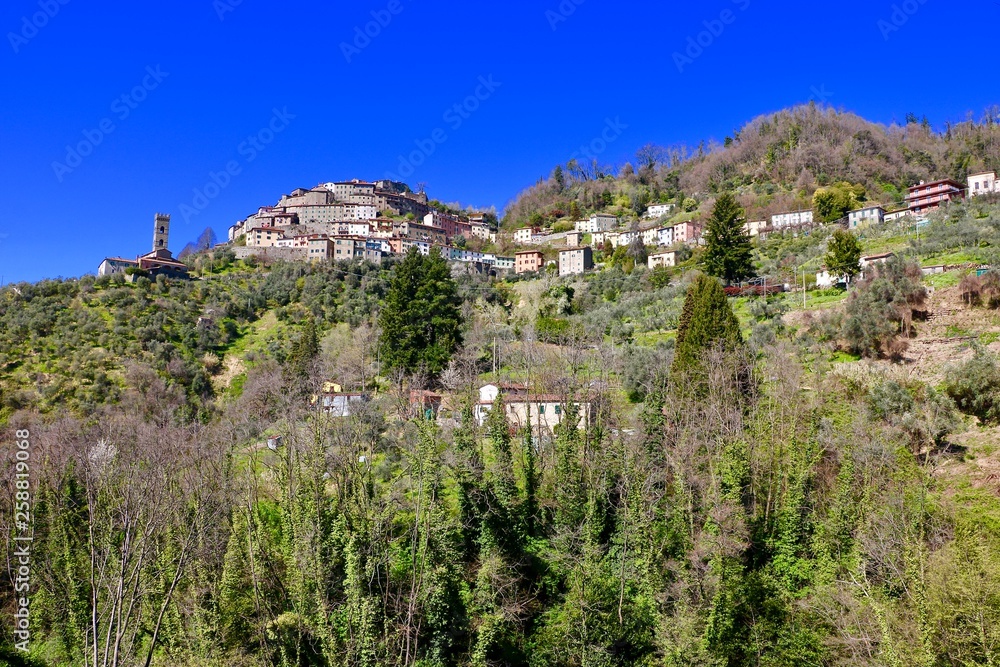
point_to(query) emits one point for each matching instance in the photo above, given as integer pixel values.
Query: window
(541, 409)
(558, 409)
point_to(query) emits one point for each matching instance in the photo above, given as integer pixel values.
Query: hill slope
(775, 162)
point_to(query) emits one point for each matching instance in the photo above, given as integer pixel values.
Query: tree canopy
(706, 321)
(729, 255)
(843, 257)
(421, 319)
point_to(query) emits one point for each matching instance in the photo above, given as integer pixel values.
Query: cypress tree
(729, 255)
(707, 321)
(421, 319)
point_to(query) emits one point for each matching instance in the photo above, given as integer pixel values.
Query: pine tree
(421, 319)
(560, 180)
(304, 353)
(706, 321)
(729, 255)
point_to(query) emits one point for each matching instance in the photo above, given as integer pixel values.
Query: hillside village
(370, 421)
(360, 221)
(366, 221)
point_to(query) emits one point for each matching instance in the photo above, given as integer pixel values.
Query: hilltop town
(368, 221)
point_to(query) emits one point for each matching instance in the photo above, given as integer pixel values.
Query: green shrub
(975, 386)
(551, 329)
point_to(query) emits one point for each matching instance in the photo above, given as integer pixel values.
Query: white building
(981, 184)
(864, 217)
(575, 261)
(665, 236)
(536, 411)
(892, 216)
(755, 227)
(599, 222)
(824, 279)
(658, 210)
(651, 236)
(668, 259)
(112, 265)
(793, 219)
(523, 235)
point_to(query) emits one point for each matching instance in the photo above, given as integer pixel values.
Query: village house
(505, 263)
(523, 409)
(984, 183)
(574, 239)
(687, 232)
(872, 260)
(264, 237)
(932, 195)
(599, 222)
(658, 210)
(667, 259)
(600, 238)
(575, 261)
(825, 279)
(341, 404)
(417, 232)
(402, 246)
(527, 261)
(320, 247)
(651, 236)
(793, 219)
(665, 236)
(482, 231)
(864, 217)
(892, 216)
(524, 235)
(426, 404)
(452, 225)
(755, 227)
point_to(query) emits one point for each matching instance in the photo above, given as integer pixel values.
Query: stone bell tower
(161, 232)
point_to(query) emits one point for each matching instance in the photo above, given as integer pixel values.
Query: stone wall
(287, 254)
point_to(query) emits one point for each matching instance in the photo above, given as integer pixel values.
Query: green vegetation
(707, 324)
(421, 322)
(729, 254)
(741, 490)
(844, 255)
(836, 201)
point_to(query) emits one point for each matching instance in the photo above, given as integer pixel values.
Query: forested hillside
(796, 478)
(774, 163)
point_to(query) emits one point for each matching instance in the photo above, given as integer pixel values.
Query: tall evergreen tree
(304, 353)
(706, 321)
(730, 254)
(421, 319)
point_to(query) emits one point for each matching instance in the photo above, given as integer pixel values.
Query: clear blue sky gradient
(559, 81)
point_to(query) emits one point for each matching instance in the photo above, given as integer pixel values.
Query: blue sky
(184, 86)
